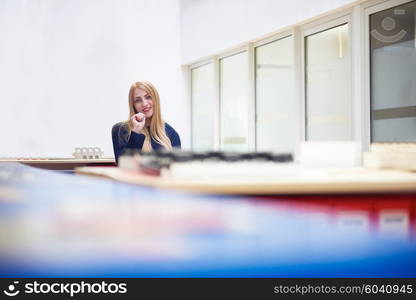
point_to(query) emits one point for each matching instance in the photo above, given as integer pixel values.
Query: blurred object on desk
(255, 173)
(88, 153)
(130, 159)
(330, 154)
(185, 164)
(400, 156)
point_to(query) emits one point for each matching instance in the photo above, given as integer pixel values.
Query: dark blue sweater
(122, 141)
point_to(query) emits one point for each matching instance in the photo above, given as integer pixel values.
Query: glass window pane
(275, 127)
(328, 85)
(203, 107)
(234, 102)
(393, 74)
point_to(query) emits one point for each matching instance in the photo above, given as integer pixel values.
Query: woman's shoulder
(169, 129)
(121, 126)
(173, 136)
(120, 133)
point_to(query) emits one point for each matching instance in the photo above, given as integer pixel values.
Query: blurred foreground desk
(54, 224)
(291, 180)
(62, 164)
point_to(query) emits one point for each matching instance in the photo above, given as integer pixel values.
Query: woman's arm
(122, 140)
(175, 140)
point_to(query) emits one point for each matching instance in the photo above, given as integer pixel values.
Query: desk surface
(291, 180)
(60, 163)
(54, 224)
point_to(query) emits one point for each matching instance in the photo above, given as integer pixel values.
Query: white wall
(67, 65)
(210, 26)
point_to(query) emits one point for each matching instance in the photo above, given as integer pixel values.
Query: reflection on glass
(328, 85)
(203, 107)
(234, 102)
(274, 96)
(393, 74)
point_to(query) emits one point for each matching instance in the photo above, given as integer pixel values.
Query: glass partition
(275, 122)
(203, 108)
(234, 86)
(328, 85)
(393, 74)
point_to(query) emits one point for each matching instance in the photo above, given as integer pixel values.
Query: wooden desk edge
(294, 187)
(62, 164)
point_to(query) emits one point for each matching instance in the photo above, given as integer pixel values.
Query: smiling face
(143, 102)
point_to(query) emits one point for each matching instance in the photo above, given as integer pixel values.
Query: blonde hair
(156, 129)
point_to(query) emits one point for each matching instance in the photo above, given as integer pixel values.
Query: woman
(145, 130)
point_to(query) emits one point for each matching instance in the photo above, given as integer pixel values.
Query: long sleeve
(136, 141)
(122, 140)
(173, 136)
(176, 141)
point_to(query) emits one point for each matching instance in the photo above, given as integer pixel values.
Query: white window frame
(199, 64)
(274, 38)
(357, 16)
(251, 129)
(368, 9)
(334, 20)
